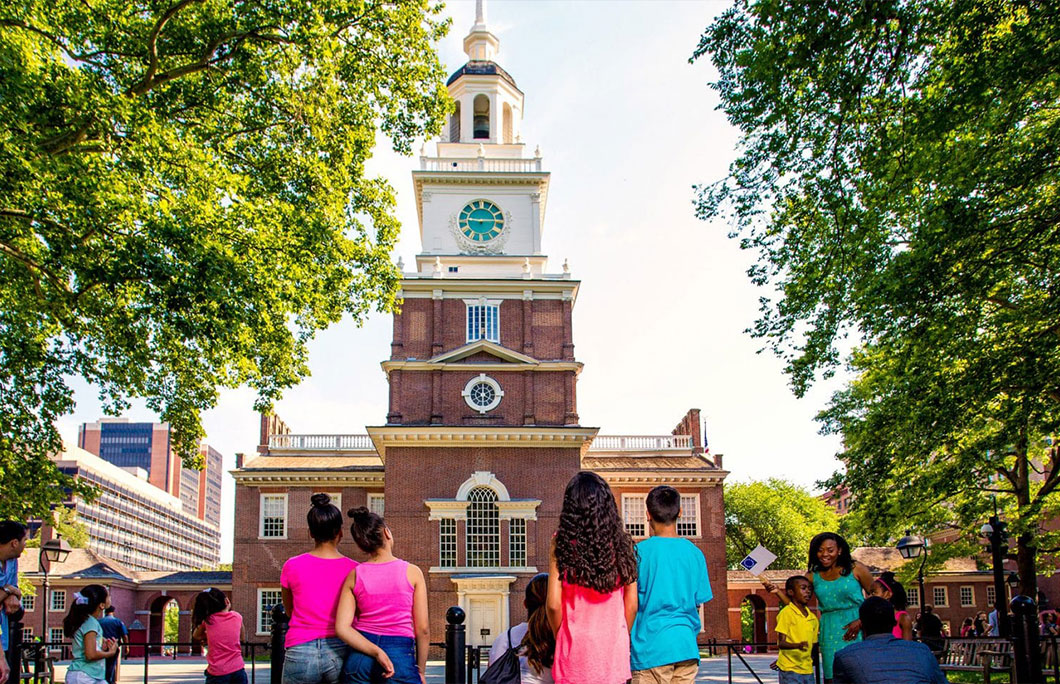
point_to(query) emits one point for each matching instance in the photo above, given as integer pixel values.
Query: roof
(884, 558)
(481, 68)
(314, 462)
(653, 463)
(86, 563)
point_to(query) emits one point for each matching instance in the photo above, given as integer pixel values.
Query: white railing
(322, 442)
(642, 443)
(479, 164)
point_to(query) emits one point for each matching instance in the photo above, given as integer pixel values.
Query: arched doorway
(163, 625)
(753, 621)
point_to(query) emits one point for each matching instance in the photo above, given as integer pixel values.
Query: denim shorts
(364, 669)
(795, 678)
(237, 677)
(315, 662)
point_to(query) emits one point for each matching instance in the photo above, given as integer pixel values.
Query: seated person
(881, 658)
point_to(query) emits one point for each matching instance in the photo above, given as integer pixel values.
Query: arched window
(482, 118)
(507, 121)
(483, 529)
(454, 124)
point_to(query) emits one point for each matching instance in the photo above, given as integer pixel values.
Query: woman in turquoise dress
(840, 584)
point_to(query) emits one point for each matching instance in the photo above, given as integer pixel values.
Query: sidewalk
(187, 670)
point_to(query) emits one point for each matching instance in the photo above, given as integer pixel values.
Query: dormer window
(483, 320)
(481, 125)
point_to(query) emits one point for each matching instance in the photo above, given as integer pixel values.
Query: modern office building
(136, 523)
(147, 448)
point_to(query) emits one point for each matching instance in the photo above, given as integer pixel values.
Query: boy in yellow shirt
(796, 633)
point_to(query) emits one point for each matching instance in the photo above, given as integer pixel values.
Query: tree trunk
(1026, 565)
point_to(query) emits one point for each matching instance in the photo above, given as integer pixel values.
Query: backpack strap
(509, 638)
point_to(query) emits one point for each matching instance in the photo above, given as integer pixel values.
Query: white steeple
(481, 45)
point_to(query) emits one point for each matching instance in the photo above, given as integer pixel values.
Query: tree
(67, 525)
(183, 200)
(777, 514)
(898, 179)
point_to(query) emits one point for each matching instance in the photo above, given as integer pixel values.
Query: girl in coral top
(592, 586)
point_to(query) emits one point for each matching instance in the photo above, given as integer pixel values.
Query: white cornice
(491, 288)
(436, 436)
(282, 477)
(499, 367)
(686, 478)
(472, 348)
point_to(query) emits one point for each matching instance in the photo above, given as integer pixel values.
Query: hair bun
(321, 499)
(359, 513)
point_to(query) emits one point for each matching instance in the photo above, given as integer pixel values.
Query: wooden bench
(984, 655)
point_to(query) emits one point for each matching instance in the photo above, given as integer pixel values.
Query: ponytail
(85, 602)
(539, 644)
(208, 602)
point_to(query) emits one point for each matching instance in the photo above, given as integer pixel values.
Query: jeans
(795, 678)
(237, 677)
(315, 662)
(364, 669)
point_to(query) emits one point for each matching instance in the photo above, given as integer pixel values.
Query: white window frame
(945, 602)
(55, 635)
(447, 540)
(469, 536)
(261, 613)
(694, 499)
(515, 540)
(51, 603)
(27, 633)
(991, 595)
(635, 515)
(261, 515)
(498, 393)
(476, 328)
(971, 595)
(29, 603)
(913, 596)
(377, 503)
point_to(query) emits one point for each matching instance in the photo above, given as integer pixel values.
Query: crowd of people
(608, 611)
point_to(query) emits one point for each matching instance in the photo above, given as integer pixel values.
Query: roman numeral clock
(481, 227)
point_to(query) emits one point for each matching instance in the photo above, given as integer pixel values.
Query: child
(82, 625)
(592, 586)
(382, 611)
(796, 633)
(672, 582)
(887, 587)
(214, 621)
(536, 642)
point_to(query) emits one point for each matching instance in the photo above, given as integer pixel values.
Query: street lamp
(912, 546)
(1013, 581)
(994, 531)
(54, 551)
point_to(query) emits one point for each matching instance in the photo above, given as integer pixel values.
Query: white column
(495, 118)
(467, 118)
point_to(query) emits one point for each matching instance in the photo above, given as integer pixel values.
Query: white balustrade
(321, 442)
(642, 443)
(481, 164)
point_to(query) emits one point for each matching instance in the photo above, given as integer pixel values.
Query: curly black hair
(845, 561)
(593, 549)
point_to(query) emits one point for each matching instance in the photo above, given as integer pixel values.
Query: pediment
(484, 351)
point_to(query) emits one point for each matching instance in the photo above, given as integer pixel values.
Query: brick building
(482, 430)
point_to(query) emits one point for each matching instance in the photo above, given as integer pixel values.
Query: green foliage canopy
(183, 200)
(898, 178)
(777, 514)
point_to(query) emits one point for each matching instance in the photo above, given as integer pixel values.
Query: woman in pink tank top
(383, 610)
(592, 586)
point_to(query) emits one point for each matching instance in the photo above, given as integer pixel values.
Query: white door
(484, 624)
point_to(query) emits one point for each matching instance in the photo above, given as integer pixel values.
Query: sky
(626, 127)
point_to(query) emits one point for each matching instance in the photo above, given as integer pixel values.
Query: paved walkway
(187, 670)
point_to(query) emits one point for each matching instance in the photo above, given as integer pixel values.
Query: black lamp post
(54, 551)
(912, 546)
(994, 531)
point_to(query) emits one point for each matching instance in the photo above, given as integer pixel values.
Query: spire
(481, 45)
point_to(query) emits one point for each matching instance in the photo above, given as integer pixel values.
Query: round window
(482, 393)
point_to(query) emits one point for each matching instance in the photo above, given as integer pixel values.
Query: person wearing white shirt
(535, 656)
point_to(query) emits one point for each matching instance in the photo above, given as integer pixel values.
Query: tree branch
(26, 260)
(152, 44)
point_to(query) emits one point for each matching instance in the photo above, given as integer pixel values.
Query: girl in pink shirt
(383, 610)
(310, 586)
(592, 586)
(214, 622)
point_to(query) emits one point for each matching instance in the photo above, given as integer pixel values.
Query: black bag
(504, 670)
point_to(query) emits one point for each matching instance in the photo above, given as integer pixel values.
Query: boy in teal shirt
(672, 582)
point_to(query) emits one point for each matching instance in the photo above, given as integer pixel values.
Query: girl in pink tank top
(383, 610)
(886, 586)
(592, 586)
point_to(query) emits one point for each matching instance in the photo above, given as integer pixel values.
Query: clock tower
(482, 431)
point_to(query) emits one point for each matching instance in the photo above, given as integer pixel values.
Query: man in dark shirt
(881, 658)
(113, 628)
(929, 629)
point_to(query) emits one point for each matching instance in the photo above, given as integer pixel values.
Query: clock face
(481, 221)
